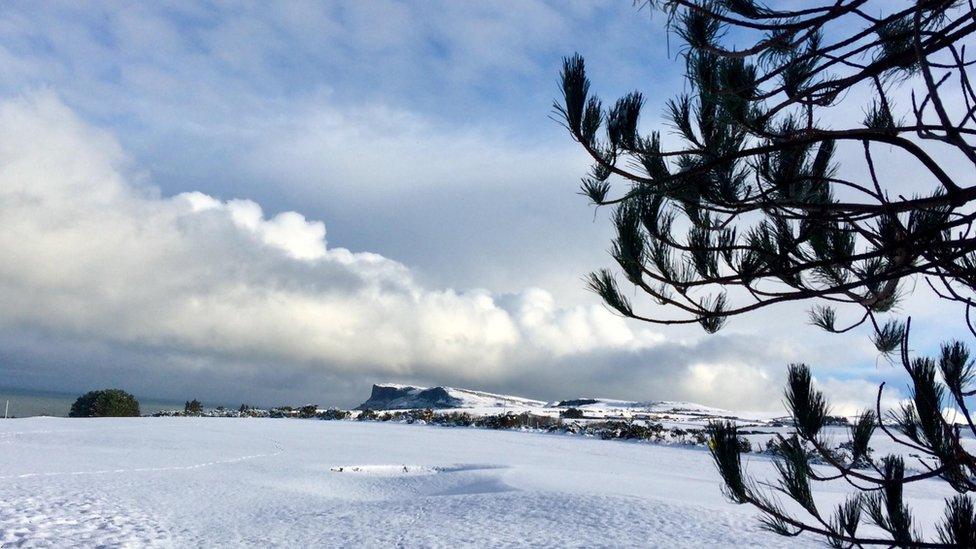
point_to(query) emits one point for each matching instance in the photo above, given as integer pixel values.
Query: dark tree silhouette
(105, 403)
(193, 407)
(750, 177)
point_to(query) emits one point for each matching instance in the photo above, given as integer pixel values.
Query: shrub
(543, 422)
(571, 413)
(193, 407)
(282, 412)
(333, 414)
(511, 420)
(426, 415)
(105, 403)
(508, 420)
(307, 411)
(455, 419)
(366, 414)
(627, 430)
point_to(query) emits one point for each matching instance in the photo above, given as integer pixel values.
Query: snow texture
(182, 482)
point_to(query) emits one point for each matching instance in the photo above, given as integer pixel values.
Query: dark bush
(508, 420)
(105, 403)
(426, 415)
(571, 413)
(193, 407)
(455, 419)
(307, 411)
(366, 414)
(627, 430)
(577, 402)
(333, 414)
(744, 445)
(542, 422)
(282, 412)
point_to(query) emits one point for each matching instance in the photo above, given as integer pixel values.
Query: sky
(288, 202)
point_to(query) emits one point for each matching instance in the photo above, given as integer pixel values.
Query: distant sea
(28, 402)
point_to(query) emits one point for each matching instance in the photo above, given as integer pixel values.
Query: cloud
(849, 397)
(398, 123)
(287, 231)
(102, 277)
(420, 136)
(91, 250)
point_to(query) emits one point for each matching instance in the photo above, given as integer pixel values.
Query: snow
(652, 406)
(261, 482)
(473, 398)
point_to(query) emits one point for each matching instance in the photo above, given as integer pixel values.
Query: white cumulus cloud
(90, 249)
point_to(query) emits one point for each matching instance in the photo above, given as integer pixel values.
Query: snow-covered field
(264, 482)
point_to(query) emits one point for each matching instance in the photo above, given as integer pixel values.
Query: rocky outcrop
(406, 397)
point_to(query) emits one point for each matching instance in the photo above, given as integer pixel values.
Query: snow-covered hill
(658, 406)
(389, 396)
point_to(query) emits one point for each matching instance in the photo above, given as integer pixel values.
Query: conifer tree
(744, 205)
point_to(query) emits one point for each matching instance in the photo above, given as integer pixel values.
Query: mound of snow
(387, 396)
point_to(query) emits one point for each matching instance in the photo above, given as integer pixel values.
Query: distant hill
(660, 406)
(388, 396)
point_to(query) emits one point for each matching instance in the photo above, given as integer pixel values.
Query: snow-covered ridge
(389, 396)
(659, 406)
